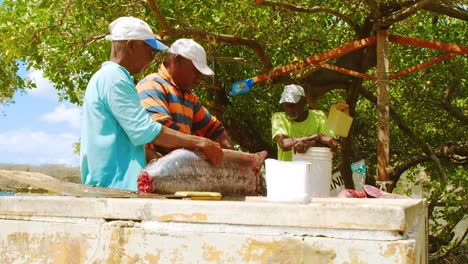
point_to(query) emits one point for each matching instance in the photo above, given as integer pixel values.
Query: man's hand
(330, 142)
(303, 146)
(172, 139)
(212, 150)
(225, 141)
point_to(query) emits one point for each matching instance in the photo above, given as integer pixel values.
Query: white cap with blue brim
(131, 28)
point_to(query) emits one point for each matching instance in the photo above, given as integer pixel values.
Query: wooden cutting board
(46, 182)
(42, 181)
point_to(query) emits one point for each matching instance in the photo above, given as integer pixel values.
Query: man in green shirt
(297, 128)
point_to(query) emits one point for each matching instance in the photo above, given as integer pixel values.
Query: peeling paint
(276, 251)
(114, 247)
(210, 253)
(37, 248)
(354, 256)
(318, 254)
(71, 252)
(207, 233)
(177, 254)
(410, 255)
(405, 252)
(390, 250)
(152, 258)
(194, 217)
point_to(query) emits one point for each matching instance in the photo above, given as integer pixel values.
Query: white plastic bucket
(320, 170)
(287, 181)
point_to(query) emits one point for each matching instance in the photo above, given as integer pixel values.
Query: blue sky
(38, 129)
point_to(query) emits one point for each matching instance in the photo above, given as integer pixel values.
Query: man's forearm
(287, 143)
(172, 139)
(225, 141)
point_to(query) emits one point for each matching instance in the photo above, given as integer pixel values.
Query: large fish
(186, 170)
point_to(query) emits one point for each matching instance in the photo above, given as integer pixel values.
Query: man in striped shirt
(114, 126)
(168, 98)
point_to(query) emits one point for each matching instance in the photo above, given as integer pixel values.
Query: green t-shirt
(316, 123)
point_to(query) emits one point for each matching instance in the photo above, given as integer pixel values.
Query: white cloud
(37, 147)
(62, 113)
(45, 88)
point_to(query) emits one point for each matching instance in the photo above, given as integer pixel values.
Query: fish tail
(145, 182)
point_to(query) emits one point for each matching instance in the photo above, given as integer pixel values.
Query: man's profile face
(185, 75)
(144, 54)
(294, 110)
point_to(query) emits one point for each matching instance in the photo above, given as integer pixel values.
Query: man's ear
(181, 60)
(130, 46)
(178, 59)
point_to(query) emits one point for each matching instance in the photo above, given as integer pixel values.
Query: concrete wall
(52, 229)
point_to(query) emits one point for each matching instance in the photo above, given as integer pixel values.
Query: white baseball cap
(131, 28)
(193, 51)
(292, 94)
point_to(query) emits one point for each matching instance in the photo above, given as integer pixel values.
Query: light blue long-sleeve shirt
(114, 129)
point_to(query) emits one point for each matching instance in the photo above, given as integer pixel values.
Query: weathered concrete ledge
(122, 230)
(366, 214)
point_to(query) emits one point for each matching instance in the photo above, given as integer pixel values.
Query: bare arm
(225, 141)
(286, 143)
(301, 144)
(172, 139)
(319, 141)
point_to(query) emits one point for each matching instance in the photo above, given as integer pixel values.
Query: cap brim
(156, 44)
(289, 98)
(203, 68)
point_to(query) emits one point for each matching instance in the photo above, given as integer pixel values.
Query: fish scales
(186, 170)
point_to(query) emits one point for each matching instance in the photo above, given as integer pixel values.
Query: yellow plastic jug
(339, 119)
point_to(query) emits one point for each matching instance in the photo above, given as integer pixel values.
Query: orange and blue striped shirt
(174, 108)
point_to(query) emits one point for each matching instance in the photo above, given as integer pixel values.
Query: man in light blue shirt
(115, 127)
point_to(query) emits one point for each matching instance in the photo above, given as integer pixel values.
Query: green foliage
(447, 219)
(65, 39)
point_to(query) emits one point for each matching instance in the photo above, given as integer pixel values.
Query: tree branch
(450, 247)
(448, 11)
(374, 9)
(404, 13)
(160, 17)
(454, 151)
(400, 123)
(208, 36)
(445, 102)
(315, 9)
(91, 40)
(238, 60)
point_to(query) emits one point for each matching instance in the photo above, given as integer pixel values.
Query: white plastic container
(320, 170)
(287, 181)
